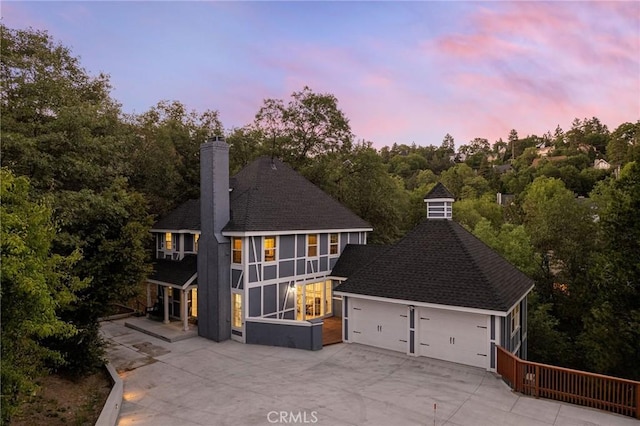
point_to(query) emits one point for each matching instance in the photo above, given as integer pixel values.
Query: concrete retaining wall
(111, 409)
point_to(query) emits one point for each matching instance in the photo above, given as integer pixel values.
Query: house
(502, 168)
(251, 259)
(505, 199)
(601, 164)
(439, 292)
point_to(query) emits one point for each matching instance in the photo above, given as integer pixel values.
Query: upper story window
(168, 241)
(312, 245)
(333, 243)
(515, 319)
(269, 249)
(236, 250)
(196, 238)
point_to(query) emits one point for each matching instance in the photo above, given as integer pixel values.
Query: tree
(36, 284)
(624, 144)
(371, 193)
(245, 145)
(448, 143)
(468, 212)
(311, 124)
(462, 181)
(164, 152)
(513, 140)
(62, 129)
(610, 340)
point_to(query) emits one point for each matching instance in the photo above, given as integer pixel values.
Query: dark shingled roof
(174, 272)
(355, 257)
(268, 195)
(439, 191)
(185, 216)
(442, 263)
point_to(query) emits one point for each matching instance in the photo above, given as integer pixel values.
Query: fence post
(537, 373)
(515, 386)
(637, 400)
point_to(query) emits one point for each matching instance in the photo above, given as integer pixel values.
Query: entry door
(453, 336)
(379, 324)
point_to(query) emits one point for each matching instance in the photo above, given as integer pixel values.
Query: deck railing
(620, 396)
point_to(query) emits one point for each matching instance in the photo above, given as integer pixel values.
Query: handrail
(621, 396)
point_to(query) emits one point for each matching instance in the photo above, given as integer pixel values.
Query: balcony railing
(619, 396)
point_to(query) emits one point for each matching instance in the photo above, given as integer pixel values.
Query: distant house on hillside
(544, 151)
(601, 164)
(536, 162)
(502, 168)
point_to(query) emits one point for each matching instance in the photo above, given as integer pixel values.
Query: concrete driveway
(200, 382)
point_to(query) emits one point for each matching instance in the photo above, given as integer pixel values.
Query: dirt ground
(61, 401)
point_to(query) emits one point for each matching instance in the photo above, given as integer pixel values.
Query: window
(439, 209)
(168, 241)
(312, 245)
(333, 243)
(515, 319)
(196, 238)
(236, 308)
(269, 249)
(236, 248)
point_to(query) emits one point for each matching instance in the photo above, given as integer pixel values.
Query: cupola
(439, 203)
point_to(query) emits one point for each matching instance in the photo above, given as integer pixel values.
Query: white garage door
(453, 336)
(379, 324)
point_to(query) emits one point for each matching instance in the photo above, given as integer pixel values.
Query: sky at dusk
(402, 71)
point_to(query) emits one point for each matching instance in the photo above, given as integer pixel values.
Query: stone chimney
(214, 293)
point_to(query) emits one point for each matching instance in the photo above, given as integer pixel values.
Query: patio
(171, 332)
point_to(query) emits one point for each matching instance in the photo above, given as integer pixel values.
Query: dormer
(439, 203)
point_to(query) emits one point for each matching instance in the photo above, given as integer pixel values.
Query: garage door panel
(379, 324)
(453, 336)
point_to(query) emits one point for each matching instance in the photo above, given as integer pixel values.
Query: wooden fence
(620, 396)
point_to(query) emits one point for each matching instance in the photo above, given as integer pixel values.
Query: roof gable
(440, 262)
(268, 195)
(438, 192)
(185, 216)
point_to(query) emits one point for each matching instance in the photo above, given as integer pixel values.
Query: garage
(454, 336)
(379, 324)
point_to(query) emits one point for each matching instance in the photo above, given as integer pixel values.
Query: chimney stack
(214, 293)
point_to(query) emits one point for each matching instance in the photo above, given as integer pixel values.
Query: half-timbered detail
(266, 241)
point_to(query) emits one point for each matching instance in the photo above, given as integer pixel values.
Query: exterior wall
(515, 341)
(292, 265)
(269, 287)
(288, 334)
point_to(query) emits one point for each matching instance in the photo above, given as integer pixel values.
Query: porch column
(166, 305)
(185, 310)
(148, 299)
